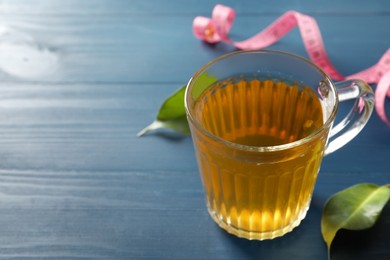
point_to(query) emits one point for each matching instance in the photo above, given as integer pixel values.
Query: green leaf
(171, 115)
(172, 112)
(354, 208)
(173, 106)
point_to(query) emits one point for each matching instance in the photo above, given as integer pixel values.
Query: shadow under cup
(260, 122)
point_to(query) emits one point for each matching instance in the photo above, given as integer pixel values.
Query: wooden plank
(81, 126)
(129, 189)
(94, 126)
(179, 8)
(100, 190)
(108, 49)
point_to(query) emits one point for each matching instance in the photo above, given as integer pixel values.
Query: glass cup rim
(281, 147)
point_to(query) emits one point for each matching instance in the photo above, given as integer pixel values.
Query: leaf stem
(152, 126)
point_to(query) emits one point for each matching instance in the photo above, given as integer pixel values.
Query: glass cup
(261, 122)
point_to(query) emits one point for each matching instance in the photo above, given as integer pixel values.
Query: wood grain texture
(76, 182)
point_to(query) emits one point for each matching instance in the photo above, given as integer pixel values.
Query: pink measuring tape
(217, 28)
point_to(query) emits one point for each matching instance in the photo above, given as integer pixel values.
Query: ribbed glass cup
(260, 122)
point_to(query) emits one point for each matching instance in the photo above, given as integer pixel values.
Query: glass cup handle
(357, 117)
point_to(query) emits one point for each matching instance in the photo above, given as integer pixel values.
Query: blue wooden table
(79, 79)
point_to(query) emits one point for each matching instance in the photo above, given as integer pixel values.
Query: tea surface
(259, 113)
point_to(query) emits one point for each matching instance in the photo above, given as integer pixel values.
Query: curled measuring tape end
(204, 29)
(382, 90)
(217, 28)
